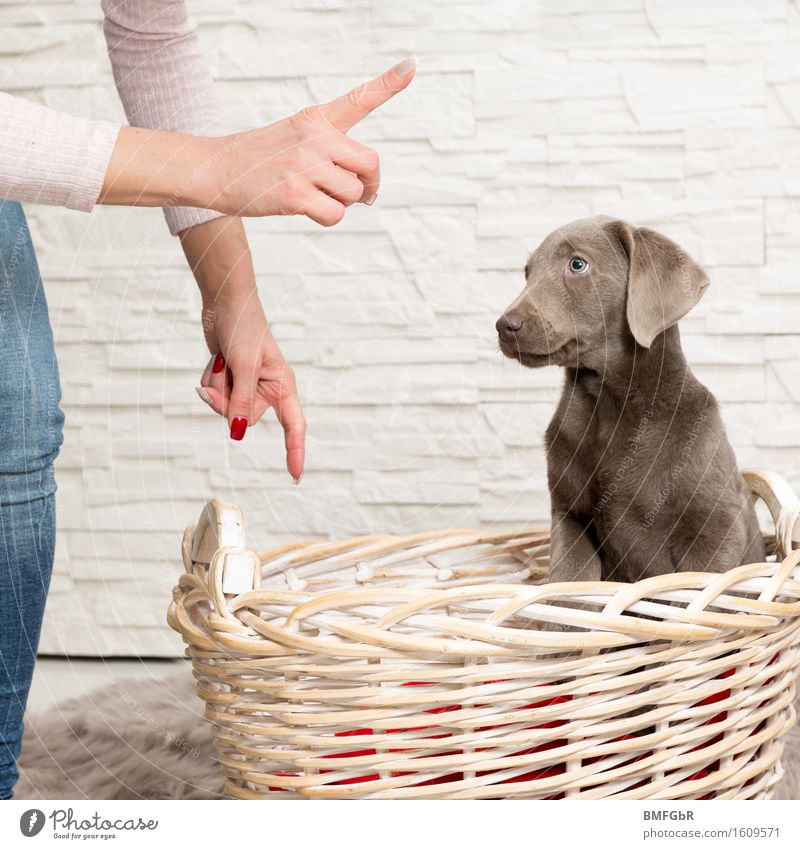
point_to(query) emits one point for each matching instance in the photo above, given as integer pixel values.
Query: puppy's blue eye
(577, 265)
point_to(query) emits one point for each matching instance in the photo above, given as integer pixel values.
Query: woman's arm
(302, 165)
(51, 157)
(167, 159)
(162, 79)
(164, 84)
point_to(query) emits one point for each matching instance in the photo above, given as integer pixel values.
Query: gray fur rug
(148, 739)
(132, 739)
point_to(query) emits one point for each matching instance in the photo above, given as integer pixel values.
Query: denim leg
(31, 426)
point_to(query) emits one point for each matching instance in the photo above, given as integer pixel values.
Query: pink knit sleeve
(51, 157)
(161, 78)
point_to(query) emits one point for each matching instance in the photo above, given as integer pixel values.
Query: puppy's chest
(598, 462)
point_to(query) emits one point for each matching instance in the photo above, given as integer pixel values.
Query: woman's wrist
(158, 168)
(220, 259)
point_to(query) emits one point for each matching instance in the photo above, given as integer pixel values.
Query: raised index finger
(346, 111)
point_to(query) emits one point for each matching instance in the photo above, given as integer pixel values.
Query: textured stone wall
(679, 115)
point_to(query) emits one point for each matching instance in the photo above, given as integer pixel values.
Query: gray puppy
(643, 480)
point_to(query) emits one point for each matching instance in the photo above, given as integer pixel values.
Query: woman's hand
(247, 372)
(304, 164)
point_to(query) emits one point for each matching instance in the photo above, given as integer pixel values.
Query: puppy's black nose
(508, 323)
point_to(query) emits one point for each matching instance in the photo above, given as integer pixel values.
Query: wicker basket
(412, 667)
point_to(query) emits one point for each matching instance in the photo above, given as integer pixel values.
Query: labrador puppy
(642, 478)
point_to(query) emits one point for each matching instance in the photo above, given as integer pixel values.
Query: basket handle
(783, 503)
(221, 525)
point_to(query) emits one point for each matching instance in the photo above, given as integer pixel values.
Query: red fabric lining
(542, 772)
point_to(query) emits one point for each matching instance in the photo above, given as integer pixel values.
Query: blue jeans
(31, 426)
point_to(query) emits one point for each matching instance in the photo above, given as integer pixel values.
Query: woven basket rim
(750, 598)
(771, 487)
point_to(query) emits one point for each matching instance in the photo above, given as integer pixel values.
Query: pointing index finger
(346, 111)
(290, 414)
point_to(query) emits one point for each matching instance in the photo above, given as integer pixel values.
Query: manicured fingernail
(238, 428)
(406, 66)
(203, 394)
(296, 481)
(370, 200)
(219, 363)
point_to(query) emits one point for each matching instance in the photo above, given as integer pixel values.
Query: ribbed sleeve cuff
(101, 136)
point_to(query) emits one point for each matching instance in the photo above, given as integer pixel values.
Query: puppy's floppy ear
(663, 282)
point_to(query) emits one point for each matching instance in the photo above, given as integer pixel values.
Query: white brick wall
(677, 114)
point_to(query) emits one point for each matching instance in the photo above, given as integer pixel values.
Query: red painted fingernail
(219, 363)
(238, 427)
